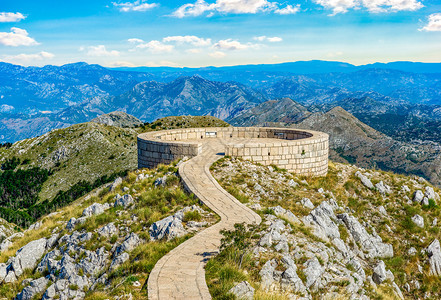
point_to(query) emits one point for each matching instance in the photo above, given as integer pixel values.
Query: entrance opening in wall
(279, 135)
(209, 134)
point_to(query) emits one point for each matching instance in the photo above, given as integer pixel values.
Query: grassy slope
(88, 151)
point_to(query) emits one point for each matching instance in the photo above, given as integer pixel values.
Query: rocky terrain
(119, 119)
(356, 234)
(104, 244)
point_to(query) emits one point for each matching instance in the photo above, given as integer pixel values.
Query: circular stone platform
(304, 152)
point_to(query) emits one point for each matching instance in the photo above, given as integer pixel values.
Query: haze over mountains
(37, 100)
(378, 110)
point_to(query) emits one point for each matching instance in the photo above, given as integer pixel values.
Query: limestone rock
(285, 213)
(243, 291)
(418, 196)
(431, 194)
(119, 260)
(95, 209)
(366, 181)
(383, 188)
(418, 221)
(27, 257)
(321, 219)
(313, 271)
(161, 181)
(129, 243)
(36, 286)
(168, 228)
(434, 252)
(124, 201)
(108, 230)
(307, 203)
(372, 244)
(379, 274)
(267, 274)
(115, 184)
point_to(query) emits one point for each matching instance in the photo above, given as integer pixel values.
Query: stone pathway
(180, 274)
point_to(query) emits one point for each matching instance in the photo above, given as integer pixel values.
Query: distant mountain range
(34, 100)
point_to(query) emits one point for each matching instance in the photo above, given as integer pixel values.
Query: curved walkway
(180, 274)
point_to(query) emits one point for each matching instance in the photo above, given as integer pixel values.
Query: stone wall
(303, 152)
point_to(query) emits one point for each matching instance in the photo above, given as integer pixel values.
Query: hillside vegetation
(40, 175)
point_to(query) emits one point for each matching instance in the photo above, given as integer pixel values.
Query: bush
(192, 216)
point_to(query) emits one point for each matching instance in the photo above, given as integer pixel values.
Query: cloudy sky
(190, 33)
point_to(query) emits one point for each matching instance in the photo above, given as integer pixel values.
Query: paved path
(180, 274)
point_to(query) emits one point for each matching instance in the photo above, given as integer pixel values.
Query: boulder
(434, 253)
(285, 213)
(243, 291)
(383, 188)
(130, 242)
(115, 184)
(74, 222)
(313, 271)
(28, 256)
(124, 201)
(167, 228)
(290, 279)
(366, 181)
(321, 219)
(3, 272)
(35, 287)
(379, 273)
(418, 196)
(108, 230)
(307, 203)
(430, 193)
(95, 209)
(292, 183)
(418, 221)
(267, 274)
(161, 181)
(119, 260)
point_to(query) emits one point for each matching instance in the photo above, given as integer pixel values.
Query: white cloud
(28, 57)
(375, 6)
(117, 64)
(155, 46)
(232, 6)
(334, 54)
(288, 10)
(273, 39)
(190, 39)
(217, 54)
(99, 50)
(11, 17)
(17, 37)
(135, 41)
(138, 5)
(162, 63)
(193, 51)
(230, 44)
(434, 23)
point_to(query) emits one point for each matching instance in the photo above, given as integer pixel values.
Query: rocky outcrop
(95, 209)
(365, 180)
(372, 244)
(171, 227)
(243, 291)
(35, 287)
(124, 201)
(434, 253)
(26, 258)
(322, 219)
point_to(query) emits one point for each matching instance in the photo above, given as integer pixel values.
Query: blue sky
(218, 32)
